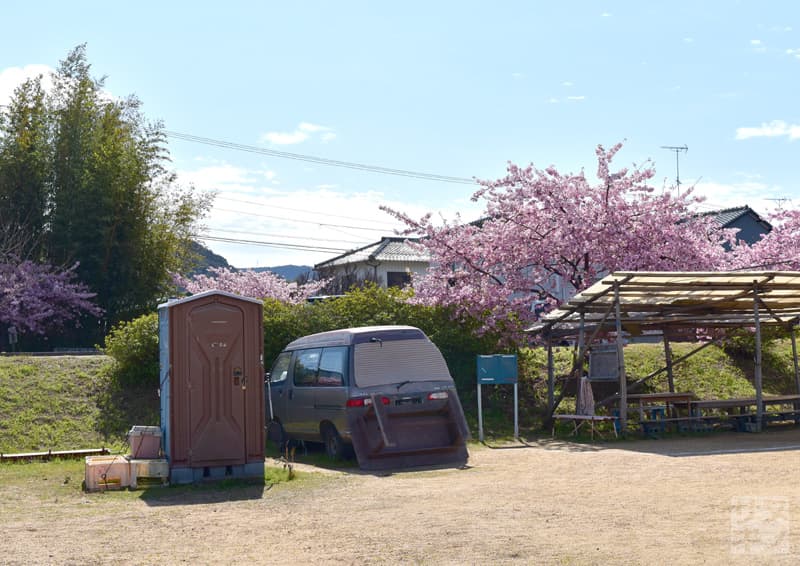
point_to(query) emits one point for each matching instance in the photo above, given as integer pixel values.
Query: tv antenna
(779, 202)
(677, 149)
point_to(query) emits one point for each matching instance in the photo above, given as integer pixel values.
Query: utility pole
(677, 149)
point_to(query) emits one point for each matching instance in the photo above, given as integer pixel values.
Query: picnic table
(658, 410)
(669, 400)
(744, 416)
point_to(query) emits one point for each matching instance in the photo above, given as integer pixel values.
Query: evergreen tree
(25, 171)
(85, 176)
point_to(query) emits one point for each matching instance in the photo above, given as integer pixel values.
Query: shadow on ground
(221, 491)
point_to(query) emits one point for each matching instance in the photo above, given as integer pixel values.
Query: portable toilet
(212, 401)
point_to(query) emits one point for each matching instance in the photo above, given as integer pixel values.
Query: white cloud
(248, 207)
(224, 177)
(755, 42)
(605, 15)
(774, 129)
(567, 83)
(688, 40)
(552, 100)
(517, 75)
(308, 127)
(303, 132)
(576, 98)
(757, 195)
(12, 77)
(793, 53)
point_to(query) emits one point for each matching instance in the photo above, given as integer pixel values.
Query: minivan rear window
(396, 361)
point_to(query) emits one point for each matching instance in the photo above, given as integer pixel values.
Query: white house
(389, 262)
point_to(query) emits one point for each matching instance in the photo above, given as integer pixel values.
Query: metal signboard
(499, 369)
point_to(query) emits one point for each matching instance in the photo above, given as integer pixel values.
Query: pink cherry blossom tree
(778, 250)
(38, 298)
(248, 283)
(542, 226)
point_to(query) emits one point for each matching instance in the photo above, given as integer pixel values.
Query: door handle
(290, 393)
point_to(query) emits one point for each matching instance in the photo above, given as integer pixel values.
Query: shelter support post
(623, 385)
(579, 361)
(757, 369)
(794, 358)
(668, 364)
(551, 385)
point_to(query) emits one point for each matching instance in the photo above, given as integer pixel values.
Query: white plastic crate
(156, 470)
(106, 472)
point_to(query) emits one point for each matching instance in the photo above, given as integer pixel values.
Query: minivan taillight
(437, 395)
(365, 401)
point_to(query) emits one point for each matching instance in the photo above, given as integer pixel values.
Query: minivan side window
(280, 369)
(332, 367)
(306, 364)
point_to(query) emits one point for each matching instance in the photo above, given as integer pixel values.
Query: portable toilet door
(212, 401)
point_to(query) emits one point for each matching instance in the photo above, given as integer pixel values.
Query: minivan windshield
(389, 362)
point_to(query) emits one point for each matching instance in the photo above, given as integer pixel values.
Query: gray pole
(480, 413)
(759, 394)
(668, 363)
(581, 350)
(794, 359)
(623, 384)
(551, 377)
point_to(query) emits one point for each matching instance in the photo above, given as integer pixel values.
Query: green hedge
(134, 344)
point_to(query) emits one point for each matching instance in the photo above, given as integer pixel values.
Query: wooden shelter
(664, 304)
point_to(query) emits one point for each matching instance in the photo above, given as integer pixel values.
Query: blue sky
(450, 88)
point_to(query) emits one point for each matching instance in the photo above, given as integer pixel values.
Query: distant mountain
(207, 259)
(288, 272)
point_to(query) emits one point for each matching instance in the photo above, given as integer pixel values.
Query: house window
(397, 278)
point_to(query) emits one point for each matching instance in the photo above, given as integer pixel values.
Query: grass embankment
(72, 402)
(709, 374)
(67, 402)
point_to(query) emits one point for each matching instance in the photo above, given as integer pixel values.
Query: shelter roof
(663, 300)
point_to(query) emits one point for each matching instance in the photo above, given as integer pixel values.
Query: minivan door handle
(290, 393)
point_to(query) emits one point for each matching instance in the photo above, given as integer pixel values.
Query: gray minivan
(385, 391)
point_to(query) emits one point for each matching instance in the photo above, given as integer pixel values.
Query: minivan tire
(334, 446)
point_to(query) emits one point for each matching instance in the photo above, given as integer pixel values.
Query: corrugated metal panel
(682, 299)
(381, 363)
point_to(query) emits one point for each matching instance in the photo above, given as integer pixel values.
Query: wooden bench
(579, 420)
(653, 427)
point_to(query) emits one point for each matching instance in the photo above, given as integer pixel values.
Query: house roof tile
(387, 249)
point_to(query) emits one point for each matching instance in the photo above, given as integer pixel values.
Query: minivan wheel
(334, 447)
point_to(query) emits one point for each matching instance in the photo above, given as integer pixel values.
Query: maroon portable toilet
(212, 394)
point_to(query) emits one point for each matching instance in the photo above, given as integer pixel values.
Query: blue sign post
(500, 369)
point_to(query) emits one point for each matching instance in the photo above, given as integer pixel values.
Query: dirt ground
(722, 499)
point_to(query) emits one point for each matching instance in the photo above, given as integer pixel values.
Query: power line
(319, 160)
(357, 242)
(280, 245)
(298, 220)
(300, 210)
